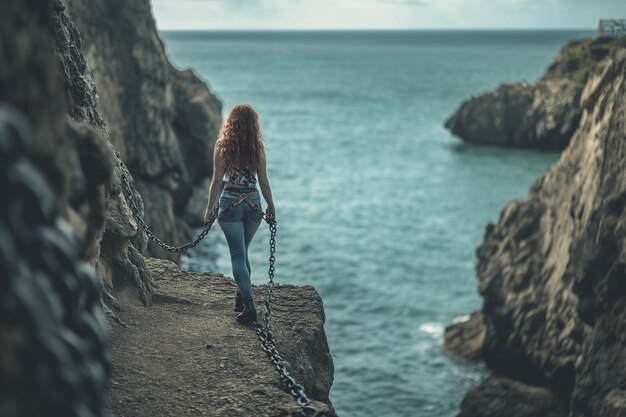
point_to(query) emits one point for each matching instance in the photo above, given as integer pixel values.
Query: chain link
(268, 344)
(137, 213)
(264, 327)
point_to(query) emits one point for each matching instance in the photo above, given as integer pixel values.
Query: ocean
(378, 206)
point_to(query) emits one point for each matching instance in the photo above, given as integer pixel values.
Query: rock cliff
(163, 121)
(543, 115)
(552, 273)
(111, 233)
(67, 233)
(59, 187)
(47, 78)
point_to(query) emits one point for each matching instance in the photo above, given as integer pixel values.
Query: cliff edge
(542, 115)
(187, 355)
(552, 273)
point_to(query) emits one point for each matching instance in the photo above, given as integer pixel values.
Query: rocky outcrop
(111, 234)
(56, 183)
(199, 361)
(543, 115)
(52, 332)
(466, 338)
(552, 271)
(497, 397)
(163, 121)
(47, 78)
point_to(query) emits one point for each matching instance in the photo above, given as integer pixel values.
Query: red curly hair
(240, 143)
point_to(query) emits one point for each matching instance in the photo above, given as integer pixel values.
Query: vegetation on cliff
(582, 59)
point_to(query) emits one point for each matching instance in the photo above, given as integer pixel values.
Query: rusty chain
(263, 328)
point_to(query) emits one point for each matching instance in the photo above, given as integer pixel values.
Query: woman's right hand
(207, 215)
(270, 212)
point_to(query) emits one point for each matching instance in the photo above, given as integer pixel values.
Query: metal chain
(177, 249)
(263, 328)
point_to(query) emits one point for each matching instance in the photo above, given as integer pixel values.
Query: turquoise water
(378, 206)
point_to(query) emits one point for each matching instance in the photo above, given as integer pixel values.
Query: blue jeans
(239, 225)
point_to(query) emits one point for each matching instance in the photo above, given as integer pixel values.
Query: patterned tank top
(241, 177)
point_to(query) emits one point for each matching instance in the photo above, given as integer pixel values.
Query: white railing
(612, 27)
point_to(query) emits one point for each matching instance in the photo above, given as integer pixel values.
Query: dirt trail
(186, 356)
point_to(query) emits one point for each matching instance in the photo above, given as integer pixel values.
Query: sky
(384, 14)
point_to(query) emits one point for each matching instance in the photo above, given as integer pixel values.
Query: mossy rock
(580, 59)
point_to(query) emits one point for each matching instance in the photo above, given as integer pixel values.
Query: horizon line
(371, 29)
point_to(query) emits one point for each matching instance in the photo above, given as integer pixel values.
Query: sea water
(378, 206)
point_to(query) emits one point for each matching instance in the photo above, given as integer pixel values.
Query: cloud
(408, 2)
(240, 4)
(307, 14)
(472, 3)
(259, 8)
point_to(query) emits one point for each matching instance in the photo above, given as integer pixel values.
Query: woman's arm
(216, 183)
(264, 183)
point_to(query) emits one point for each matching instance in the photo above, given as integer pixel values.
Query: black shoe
(248, 315)
(238, 302)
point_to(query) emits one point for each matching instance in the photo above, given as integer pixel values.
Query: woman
(239, 154)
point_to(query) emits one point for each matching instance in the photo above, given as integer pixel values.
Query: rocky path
(186, 356)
